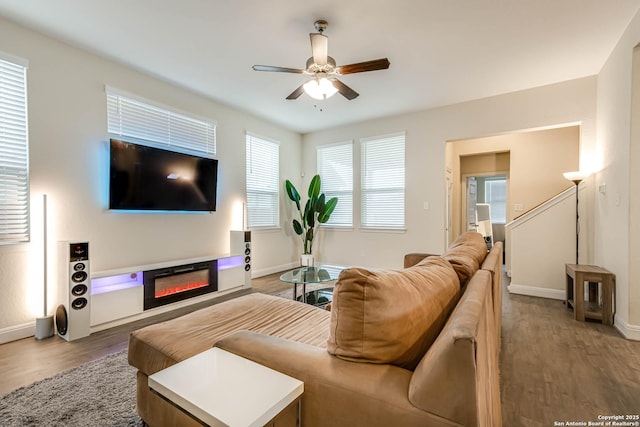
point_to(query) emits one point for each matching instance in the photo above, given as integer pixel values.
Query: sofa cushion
(391, 316)
(472, 243)
(161, 345)
(466, 254)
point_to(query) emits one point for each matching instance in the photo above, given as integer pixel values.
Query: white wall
(617, 238)
(69, 161)
(68, 141)
(534, 175)
(426, 134)
(544, 241)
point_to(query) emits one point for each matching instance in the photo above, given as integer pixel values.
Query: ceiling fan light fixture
(321, 88)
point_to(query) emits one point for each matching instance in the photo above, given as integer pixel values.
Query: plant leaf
(320, 204)
(292, 193)
(310, 215)
(323, 274)
(297, 227)
(328, 210)
(308, 208)
(314, 187)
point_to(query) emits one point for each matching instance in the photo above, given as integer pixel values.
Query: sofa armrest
(465, 355)
(413, 258)
(336, 392)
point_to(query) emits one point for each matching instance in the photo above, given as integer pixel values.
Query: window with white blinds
(263, 182)
(495, 194)
(335, 167)
(14, 154)
(137, 118)
(382, 182)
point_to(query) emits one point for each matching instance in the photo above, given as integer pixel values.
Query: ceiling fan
(323, 69)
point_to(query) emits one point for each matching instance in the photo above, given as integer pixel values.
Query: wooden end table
(590, 308)
(220, 388)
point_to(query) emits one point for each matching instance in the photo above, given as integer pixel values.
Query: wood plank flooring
(556, 369)
(553, 368)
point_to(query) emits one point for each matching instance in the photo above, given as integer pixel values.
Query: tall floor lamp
(577, 177)
(44, 324)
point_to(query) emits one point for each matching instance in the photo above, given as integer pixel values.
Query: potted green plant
(317, 210)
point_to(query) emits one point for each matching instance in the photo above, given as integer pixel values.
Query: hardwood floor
(553, 368)
(28, 360)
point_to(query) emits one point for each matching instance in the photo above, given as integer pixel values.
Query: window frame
(487, 181)
(342, 195)
(159, 125)
(365, 166)
(273, 192)
(15, 198)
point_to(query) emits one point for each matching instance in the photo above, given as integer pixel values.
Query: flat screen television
(152, 179)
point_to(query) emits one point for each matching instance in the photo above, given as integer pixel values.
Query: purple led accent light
(101, 285)
(231, 262)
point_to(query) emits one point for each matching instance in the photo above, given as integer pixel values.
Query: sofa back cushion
(473, 244)
(466, 254)
(391, 316)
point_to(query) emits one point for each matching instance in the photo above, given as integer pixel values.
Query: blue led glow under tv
(143, 178)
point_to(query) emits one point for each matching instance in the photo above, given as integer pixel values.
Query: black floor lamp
(577, 177)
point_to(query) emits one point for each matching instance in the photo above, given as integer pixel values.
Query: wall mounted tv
(152, 179)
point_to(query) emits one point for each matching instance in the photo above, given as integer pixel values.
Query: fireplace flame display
(173, 284)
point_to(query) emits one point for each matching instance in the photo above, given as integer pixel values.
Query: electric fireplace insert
(172, 284)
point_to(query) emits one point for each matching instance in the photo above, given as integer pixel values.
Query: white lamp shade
(320, 88)
(576, 176)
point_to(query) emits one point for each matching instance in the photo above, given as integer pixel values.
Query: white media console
(117, 296)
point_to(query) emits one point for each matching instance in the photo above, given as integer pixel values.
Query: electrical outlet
(518, 207)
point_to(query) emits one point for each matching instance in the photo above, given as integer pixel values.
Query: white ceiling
(441, 51)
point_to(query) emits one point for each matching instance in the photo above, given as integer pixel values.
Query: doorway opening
(486, 210)
(531, 164)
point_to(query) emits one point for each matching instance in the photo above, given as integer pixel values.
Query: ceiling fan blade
(344, 90)
(296, 93)
(360, 67)
(319, 48)
(277, 69)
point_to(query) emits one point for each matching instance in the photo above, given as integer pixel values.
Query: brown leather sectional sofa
(411, 347)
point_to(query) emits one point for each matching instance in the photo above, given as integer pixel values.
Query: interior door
(472, 200)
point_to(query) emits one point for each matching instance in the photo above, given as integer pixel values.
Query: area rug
(98, 393)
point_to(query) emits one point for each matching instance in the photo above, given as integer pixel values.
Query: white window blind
(495, 194)
(263, 182)
(14, 154)
(383, 182)
(134, 118)
(335, 167)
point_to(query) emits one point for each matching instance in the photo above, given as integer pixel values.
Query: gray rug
(98, 393)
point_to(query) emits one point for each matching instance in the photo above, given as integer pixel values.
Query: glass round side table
(307, 275)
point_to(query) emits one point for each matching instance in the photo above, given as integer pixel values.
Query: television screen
(147, 178)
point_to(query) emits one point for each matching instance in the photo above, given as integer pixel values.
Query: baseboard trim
(630, 332)
(276, 269)
(535, 291)
(17, 332)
